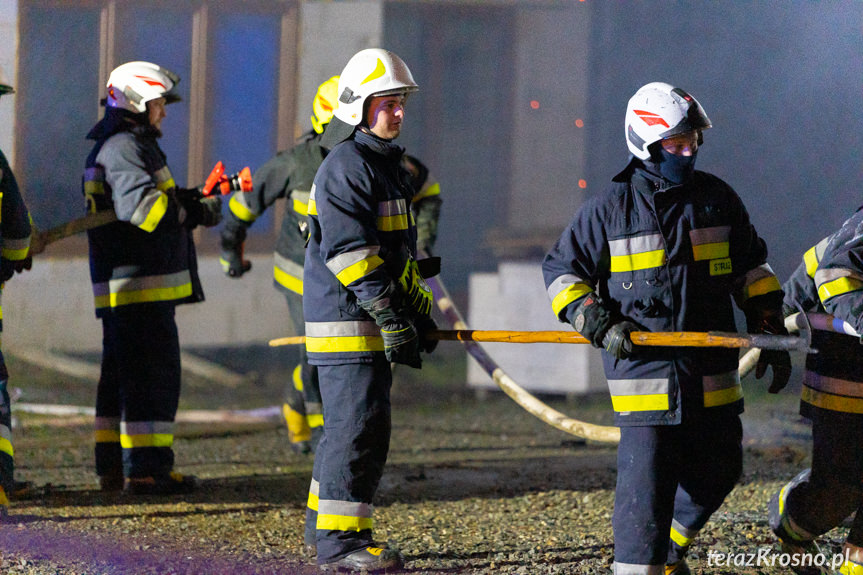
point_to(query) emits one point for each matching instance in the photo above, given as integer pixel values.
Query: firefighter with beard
(365, 303)
(289, 175)
(667, 248)
(142, 266)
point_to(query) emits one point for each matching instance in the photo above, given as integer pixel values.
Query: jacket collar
(386, 148)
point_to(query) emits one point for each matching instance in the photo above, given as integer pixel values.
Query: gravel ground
(472, 486)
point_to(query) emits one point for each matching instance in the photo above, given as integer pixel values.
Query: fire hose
(217, 181)
(534, 406)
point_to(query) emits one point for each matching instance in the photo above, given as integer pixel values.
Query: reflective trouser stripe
(146, 434)
(314, 489)
(682, 535)
(790, 526)
(632, 569)
(344, 515)
(6, 441)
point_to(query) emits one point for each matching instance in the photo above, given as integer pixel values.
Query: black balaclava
(676, 169)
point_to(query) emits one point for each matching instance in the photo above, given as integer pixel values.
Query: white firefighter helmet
(133, 84)
(657, 111)
(371, 72)
(325, 102)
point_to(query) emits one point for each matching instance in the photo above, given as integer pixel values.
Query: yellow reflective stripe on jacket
(637, 253)
(813, 256)
(344, 515)
(150, 211)
(343, 336)
(238, 207)
(6, 441)
(300, 202)
(351, 266)
(164, 180)
(710, 243)
(392, 215)
(16, 249)
(428, 190)
(639, 394)
(837, 281)
(146, 434)
(722, 389)
(144, 289)
(759, 281)
(832, 393)
(288, 274)
(566, 289)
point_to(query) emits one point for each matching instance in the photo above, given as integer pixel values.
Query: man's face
(685, 144)
(385, 115)
(156, 112)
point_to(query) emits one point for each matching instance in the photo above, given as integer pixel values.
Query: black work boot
(172, 484)
(368, 559)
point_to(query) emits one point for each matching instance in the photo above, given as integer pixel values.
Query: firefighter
(666, 248)
(289, 175)
(14, 258)
(365, 305)
(141, 266)
(830, 278)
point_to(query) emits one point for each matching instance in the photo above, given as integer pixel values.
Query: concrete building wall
(8, 52)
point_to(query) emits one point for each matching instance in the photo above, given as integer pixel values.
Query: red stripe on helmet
(650, 118)
(151, 82)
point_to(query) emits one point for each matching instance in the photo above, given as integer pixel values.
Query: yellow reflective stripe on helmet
(637, 253)
(239, 208)
(379, 71)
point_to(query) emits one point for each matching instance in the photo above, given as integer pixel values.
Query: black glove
(425, 324)
(233, 263)
(764, 315)
(592, 320)
(616, 340)
(196, 212)
(401, 340)
(8, 268)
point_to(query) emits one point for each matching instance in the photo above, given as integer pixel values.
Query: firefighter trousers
(302, 404)
(7, 466)
(670, 479)
(350, 458)
(820, 498)
(138, 391)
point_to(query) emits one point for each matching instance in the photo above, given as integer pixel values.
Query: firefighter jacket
(830, 279)
(289, 175)
(362, 241)
(147, 256)
(14, 220)
(669, 259)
